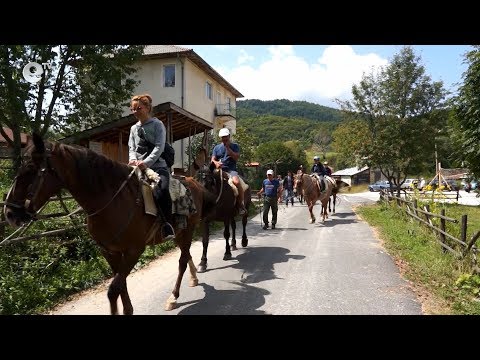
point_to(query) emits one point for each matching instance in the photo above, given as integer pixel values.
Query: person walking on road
(270, 189)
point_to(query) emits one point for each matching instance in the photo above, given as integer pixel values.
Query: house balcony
(225, 110)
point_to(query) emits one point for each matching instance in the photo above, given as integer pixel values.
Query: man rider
(225, 155)
(319, 169)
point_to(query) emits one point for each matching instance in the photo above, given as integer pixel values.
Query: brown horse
(221, 207)
(309, 187)
(112, 199)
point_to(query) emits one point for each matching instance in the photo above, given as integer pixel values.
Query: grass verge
(448, 283)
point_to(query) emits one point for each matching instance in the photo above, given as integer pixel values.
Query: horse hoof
(202, 268)
(170, 306)
(244, 242)
(227, 257)
(171, 303)
(193, 282)
(233, 247)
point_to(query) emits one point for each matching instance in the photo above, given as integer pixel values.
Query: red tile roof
(3, 142)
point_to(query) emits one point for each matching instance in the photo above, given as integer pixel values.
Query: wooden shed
(111, 139)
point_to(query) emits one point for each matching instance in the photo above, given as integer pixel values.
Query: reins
(115, 195)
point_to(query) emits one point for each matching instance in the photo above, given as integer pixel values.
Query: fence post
(415, 205)
(427, 209)
(442, 227)
(2, 219)
(463, 229)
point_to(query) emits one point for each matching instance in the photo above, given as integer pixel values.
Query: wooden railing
(424, 216)
(18, 235)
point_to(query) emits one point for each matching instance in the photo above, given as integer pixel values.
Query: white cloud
(287, 76)
(244, 57)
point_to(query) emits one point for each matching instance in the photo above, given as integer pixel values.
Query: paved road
(338, 267)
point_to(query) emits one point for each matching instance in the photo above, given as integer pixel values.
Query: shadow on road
(242, 301)
(256, 265)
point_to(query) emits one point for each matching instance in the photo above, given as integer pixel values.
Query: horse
(339, 184)
(224, 209)
(112, 199)
(308, 185)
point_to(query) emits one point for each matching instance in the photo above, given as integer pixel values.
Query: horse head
(36, 181)
(297, 184)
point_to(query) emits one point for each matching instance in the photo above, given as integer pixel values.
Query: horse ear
(38, 142)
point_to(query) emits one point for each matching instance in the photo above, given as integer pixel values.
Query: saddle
(182, 199)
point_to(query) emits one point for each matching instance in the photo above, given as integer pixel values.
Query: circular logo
(32, 72)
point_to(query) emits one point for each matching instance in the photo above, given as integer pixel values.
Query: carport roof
(184, 124)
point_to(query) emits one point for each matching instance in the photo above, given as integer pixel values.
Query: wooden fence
(18, 235)
(424, 216)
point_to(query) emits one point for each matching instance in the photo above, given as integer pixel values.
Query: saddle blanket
(182, 199)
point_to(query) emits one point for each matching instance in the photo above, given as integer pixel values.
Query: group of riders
(147, 142)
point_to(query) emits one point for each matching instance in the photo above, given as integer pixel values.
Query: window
(168, 75)
(209, 90)
(228, 104)
(218, 99)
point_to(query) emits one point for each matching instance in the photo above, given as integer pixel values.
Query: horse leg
(226, 235)
(329, 202)
(334, 202)
(121, 265)
(184, 242)
(310, 208)
(202, 267)
(233, 247)
(244, 235)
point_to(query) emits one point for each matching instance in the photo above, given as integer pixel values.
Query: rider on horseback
(320, 171)
(146, 143)
(225, 155)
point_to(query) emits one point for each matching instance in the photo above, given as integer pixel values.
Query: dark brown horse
(339, 185)
(308, 185)
(221, 206)
(112, 199)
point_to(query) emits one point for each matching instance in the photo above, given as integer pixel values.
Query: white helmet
(316, 157)
(223, 132)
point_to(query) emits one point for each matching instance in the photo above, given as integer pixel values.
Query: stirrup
(168, 233)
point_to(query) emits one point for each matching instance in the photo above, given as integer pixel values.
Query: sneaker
(242, 211)
(273, 226)
(167, 232)
(265, 227)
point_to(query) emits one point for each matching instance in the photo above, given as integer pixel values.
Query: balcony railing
(225, 110)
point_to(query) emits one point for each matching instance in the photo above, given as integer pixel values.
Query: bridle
(35, 187)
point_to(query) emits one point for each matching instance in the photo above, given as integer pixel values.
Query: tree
(69, 88)
(466, 123)
(275, 155)
(348, 138)
(398, 104)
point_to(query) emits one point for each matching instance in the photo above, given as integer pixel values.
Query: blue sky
(319, 73)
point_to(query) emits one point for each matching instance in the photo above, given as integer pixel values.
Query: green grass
(451, 281)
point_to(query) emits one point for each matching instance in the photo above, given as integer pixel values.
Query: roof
(350, 171)
(457, 173)
(8, 131)
(184, 124)
(166, 51)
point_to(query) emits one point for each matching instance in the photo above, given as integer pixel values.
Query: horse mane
(89, 164)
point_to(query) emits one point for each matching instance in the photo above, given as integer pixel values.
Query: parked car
(379, 185)
(409, 184)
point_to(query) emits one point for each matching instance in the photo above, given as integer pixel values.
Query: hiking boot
(167, 232)
(242, 210)
(265, 227)
(273, 226)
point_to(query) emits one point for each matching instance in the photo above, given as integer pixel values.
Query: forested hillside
(287, 108)
(283, 120)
